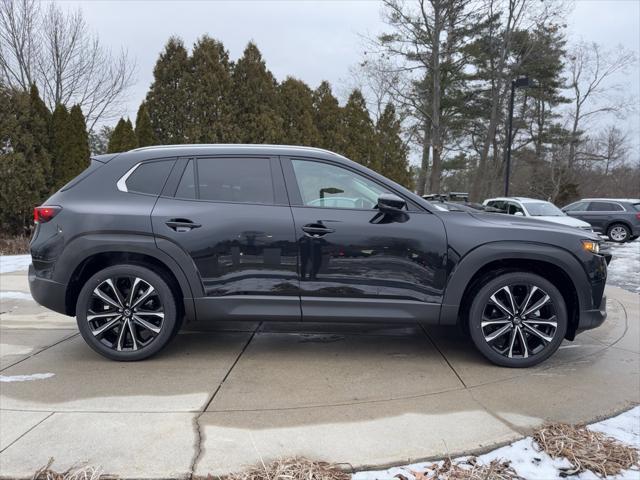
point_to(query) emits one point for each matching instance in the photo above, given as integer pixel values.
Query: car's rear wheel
(619, 233)
(517, 319)
(126, 312)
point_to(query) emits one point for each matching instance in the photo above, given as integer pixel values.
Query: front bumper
(590, 319)
(47, 293)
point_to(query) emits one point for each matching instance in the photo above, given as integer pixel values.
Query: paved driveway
(223, 397)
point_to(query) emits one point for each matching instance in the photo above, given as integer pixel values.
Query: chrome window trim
(122, 183)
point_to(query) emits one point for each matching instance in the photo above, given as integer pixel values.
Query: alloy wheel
(125, 313)
(618, 234)
(519, 321)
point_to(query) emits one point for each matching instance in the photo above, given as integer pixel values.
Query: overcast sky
(311, 40)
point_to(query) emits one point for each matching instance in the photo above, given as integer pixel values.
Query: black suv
(618, 218)
(144, 239)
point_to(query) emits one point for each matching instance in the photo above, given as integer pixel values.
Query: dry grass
(585, 449)
(74, 473)
(468, 469)
(18, 245)
(290, 469)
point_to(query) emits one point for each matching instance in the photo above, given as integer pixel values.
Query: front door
(231, 215)
(354, 262)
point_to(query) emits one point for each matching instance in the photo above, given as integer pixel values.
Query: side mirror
(390, 203)
(519, 214)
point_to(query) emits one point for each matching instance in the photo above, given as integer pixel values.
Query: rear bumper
(47, 293)
(593, 318)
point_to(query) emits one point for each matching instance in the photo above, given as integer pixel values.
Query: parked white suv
(540, 209)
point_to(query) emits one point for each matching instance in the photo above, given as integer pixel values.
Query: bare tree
(427, 37)
(591, 71)
(56, 51)
(610, 148)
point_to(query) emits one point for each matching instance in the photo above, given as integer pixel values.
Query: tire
(619, 233)
(120, 327)
(526, 338)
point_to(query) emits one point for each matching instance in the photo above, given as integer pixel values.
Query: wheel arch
(618, 222)
(490, 260)
(85, 255)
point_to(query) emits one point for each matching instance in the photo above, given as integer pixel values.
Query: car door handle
(316, 230)
(182, 225)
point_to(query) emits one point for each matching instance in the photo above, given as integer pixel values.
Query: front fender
(483, 255)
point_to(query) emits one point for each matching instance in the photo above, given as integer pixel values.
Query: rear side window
(604, 207)
(187, 186)
(241, 180)
(149, 177)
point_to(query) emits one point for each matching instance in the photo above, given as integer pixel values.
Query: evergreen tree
(390, 149)
(296, 110)
(144, 130)
(209, 86)
(40, 128)
(328, 118)
(359, 132)
(77, 154)
(60, 132)
(255, 107)
(22, 157)
(99, 140)
(167, 99)
(123, 137)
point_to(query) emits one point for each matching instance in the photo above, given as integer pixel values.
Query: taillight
(638, 215)
(45, 213)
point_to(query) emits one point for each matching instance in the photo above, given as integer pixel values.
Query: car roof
(518, 199)
(232, 149)
(630, 200)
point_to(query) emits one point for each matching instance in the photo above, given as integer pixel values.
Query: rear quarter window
(149, 177)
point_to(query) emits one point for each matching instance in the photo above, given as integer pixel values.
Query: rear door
(231, 215)
(601, 213)
(354, 262)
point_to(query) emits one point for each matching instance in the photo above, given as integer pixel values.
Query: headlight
(591, 246)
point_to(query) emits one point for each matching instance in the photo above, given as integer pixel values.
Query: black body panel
(254, 261)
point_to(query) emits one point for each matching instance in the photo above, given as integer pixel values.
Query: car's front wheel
(126, 312)
(517, 319)
(619, 233)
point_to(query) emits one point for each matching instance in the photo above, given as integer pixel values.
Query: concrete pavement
(223, 397)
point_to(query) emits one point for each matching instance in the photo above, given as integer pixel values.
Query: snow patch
(530, 463)
(625, 265)
(15, 296)
(14, 263)
(25, 378)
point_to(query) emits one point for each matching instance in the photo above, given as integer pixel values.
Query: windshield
(543, 209)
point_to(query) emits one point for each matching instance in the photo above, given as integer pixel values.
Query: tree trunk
(424, 168)
(436, 136)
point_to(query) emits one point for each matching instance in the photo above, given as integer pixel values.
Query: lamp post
(521, 82)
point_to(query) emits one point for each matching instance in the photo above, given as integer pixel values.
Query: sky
(310, 40)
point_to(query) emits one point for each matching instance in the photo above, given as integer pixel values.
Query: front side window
(149, 177)
(329, 186)
(604, 207)
(515, 208)
(577, 207)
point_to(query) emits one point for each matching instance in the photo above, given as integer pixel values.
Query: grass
(18, 245)
(290, 469)
(74, 473)
(585, 449)
(467, 469)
